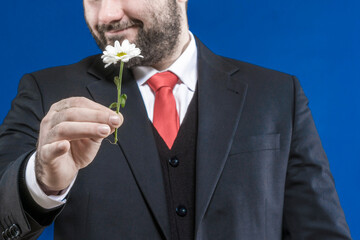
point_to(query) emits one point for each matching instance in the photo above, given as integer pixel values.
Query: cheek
(91, 15)
(91, 23)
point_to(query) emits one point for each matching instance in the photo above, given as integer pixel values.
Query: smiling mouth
(118, 27)
(115, 31)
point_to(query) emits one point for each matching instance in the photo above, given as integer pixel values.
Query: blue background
(317, 40)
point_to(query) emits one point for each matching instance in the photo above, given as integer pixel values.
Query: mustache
(119, 26)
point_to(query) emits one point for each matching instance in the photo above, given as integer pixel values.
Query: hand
(70, 137)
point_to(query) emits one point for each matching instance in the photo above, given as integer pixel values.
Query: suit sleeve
(311, 209)
(20, 216)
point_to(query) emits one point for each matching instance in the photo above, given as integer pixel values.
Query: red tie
(166, 118)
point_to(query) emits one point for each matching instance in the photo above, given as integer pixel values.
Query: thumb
(53, 150)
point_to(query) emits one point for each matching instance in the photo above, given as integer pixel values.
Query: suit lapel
(136, 140)
(220, 104)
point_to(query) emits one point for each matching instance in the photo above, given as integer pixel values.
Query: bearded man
(245, 162)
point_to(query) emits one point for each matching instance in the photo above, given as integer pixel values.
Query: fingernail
(104, 129)
(114, 120)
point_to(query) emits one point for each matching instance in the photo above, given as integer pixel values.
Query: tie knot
(163, 79)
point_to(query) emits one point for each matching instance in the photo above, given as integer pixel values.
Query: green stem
(119, 87)
(119, 96)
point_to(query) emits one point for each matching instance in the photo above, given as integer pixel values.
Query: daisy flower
(120, 52)
(113, 54)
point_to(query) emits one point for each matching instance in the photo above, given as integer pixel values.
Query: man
(246, 163)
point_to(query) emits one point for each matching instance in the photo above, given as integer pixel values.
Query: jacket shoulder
(56, 83)
(231, 65)
(78, 67)
(253, 69)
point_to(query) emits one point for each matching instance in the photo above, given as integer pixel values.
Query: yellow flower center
(120, 54)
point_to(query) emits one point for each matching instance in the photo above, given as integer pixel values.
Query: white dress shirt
(185, 67)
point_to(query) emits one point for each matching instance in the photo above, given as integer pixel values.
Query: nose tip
(110, 11)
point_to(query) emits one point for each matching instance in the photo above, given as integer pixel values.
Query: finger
(77, 114)
(54, 150)
(77, 102)
(78, 130)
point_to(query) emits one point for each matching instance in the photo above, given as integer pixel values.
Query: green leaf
(113, 105)
(117, 81)
(123, 98)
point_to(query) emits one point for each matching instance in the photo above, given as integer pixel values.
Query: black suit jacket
(261, 172)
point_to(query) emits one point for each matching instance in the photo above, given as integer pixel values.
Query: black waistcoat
(178, 168)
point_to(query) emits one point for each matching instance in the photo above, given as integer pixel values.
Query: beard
(156, 43)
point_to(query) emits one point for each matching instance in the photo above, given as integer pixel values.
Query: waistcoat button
(181, 211)
(174, 162)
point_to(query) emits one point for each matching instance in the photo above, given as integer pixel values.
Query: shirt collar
(185, 67)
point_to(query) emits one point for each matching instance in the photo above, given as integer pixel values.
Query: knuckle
(57, 132)
(78, 100)
(60, 130)
(74, 100)
(68, 114)
(58, 105)
(44, 121)
(53, 106)
(47, 119)
(102, 117)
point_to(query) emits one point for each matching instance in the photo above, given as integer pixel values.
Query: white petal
(109, 48)
(125, 43)
(117, 44)
(107, 65)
